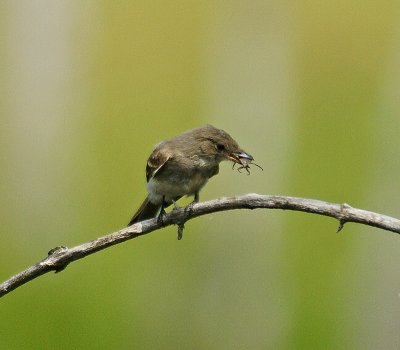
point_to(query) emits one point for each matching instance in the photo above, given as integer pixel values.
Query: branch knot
(344, 207)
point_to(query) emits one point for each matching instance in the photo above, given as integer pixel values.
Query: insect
(245, 164)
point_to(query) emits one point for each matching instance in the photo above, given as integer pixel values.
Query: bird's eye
(220, 147)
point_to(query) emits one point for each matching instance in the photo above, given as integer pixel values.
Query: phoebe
(182, 166)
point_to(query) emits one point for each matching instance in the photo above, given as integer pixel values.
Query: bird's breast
(173, 183)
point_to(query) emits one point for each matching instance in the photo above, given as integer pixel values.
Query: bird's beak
(240, 157)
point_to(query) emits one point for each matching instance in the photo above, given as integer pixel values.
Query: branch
(58, 258)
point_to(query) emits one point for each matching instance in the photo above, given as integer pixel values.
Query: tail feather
(146, 211)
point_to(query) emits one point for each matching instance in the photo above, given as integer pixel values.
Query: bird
(182, 166)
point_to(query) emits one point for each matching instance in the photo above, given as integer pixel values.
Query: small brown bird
(182, 166)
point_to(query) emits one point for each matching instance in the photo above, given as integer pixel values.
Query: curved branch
(58, 258)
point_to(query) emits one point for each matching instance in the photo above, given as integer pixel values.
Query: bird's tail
(146, 211)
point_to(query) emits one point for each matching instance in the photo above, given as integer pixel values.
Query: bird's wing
(156, 161)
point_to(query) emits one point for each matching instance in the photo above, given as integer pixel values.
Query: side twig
(59, 257)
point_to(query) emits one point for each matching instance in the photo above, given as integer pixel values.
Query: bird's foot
(189, 207)
(160, 217)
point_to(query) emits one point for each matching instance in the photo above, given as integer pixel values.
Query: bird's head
(219, 145)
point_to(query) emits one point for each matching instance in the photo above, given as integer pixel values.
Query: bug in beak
(244, 159)
(240, 157)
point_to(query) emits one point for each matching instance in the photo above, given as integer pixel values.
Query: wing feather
(156, 162)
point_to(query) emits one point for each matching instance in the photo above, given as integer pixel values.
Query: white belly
(174, 187)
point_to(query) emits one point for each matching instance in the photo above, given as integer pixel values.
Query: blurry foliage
(309, 89)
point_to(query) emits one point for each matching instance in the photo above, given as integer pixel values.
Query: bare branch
(58, 258)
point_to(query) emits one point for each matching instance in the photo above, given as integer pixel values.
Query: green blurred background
(309, 88)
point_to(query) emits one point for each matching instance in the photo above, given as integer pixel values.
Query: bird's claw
(160, 217)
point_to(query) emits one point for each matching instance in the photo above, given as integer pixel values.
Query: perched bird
(182, 166)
